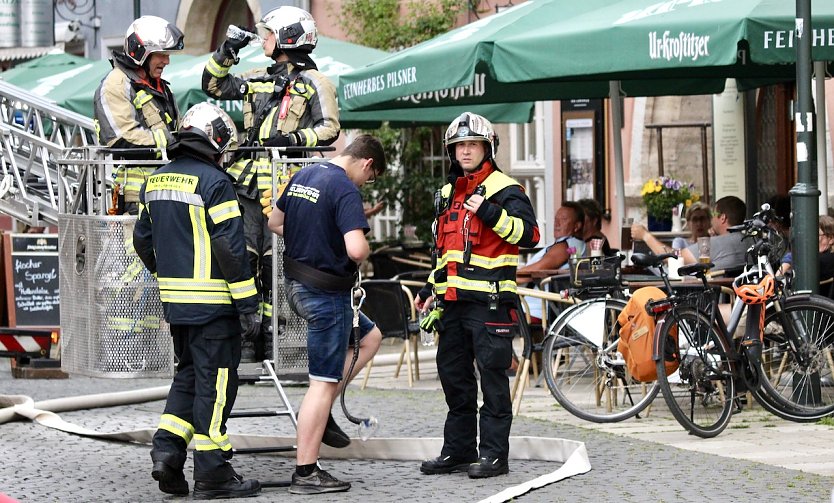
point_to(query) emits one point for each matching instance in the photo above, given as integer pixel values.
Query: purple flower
(571, 250)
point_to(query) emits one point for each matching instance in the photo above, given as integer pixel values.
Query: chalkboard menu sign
(32, 279)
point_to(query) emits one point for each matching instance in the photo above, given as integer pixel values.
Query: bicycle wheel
(582, 368)
(700, 393)
(799, 385)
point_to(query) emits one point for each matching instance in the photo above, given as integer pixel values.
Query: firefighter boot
(171, 480)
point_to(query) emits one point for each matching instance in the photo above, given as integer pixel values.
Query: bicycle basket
(595, 272)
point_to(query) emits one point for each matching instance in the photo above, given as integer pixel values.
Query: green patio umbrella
(632, 40)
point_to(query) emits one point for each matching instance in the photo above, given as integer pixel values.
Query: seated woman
(826, 251)
(697, 222)
(592, 227)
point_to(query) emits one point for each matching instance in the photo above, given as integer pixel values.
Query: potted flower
(661, 195)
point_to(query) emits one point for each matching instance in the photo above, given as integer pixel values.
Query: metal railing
(42, 149)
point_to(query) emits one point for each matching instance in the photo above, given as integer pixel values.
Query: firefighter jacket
(130, 112)
(484, 270)
(309, 110)
(190, 234)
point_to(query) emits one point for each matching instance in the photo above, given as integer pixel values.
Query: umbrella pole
(617, 138)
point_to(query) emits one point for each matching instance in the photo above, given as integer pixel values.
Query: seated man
(726, 248)
(592, 227)
(567, 229)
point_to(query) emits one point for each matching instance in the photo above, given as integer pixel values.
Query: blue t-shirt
(321, 205)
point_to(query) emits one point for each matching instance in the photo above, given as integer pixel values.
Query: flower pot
(660, 225)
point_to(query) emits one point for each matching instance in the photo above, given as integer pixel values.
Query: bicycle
(582, 368)
(783, 358)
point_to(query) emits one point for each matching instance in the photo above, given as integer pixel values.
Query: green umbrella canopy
(456, 67)
(333, 58)
(557, 49)
(644, 39)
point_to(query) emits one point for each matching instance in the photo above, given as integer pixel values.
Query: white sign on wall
(728, 142)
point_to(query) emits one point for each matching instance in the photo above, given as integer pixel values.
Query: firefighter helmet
(150, 34)
(294, 28)
(754, 287)
(210, 123)
(470, 127)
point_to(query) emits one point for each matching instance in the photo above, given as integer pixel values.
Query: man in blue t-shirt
(321, 217)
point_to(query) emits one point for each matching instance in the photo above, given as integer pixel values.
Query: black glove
(250, 325)
(236, 39)
(284, 140)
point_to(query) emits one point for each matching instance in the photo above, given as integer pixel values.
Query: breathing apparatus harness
(368, 425)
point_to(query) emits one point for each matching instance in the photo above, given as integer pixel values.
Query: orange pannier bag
(637, 336)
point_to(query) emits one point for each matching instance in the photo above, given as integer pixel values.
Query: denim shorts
(329, 324)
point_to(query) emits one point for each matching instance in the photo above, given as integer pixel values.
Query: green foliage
(379, 24)
(392, 25)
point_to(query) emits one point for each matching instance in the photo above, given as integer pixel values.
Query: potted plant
(661, 195)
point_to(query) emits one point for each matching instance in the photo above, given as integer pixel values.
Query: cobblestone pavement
(635, 461)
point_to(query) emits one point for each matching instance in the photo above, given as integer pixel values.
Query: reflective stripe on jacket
(505, 222)
(190, 234)
(130, 112)
(312, 112)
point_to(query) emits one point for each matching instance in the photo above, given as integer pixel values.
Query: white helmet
(294, 28)
(150, 34)
(470, 127)
(210, 123)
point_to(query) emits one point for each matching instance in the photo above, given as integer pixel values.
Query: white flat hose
(570, 453)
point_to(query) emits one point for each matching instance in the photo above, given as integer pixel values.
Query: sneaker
(171, 480)
(235, 487)
(317, 482)
(334, 436)
(444, 464)
(488, 467)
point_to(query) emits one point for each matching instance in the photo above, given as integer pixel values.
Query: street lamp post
(805, 194)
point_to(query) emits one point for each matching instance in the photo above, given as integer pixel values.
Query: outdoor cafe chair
(390, 305)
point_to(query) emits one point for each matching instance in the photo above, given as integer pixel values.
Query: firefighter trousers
(201, 398)
(259, 250)
(473, 332)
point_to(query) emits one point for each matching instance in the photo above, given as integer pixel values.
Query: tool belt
(311, 276)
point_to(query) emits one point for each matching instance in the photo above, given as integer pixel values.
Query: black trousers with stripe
(202, 395)
(472, 332)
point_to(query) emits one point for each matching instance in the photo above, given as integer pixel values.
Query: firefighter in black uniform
(483, 217)
(190, 235)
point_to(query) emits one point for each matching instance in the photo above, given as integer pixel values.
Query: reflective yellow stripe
(202, 246)
(266, 309)
(479, 286)
(191, 284)
(243, 289)
(220, 385)
(509, 228)
(132, 270)
(224, 211)
(311, 139)
(205, 443)
(177, 426)
(302, 89)
(182, 297)
(266, 126)
(160, 139)
(260, 87)
(168, 118)
(141, 98)
(216, 68)
(480, 260)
